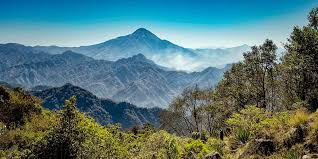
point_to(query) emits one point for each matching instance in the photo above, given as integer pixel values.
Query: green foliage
(158, 144)
(259, 66)
(301, 62)
(292, 154)
(172, 150)
(76, 136)
(148, 128)
(19, 142)
(65, 139)
(275, 126)
(197, 147)
(216, 145)
(233, 88)
(98, 142)
(243, 135)
(299, 118)
(248, 119)
(16, 107)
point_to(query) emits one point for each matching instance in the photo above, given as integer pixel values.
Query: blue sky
(190, 23)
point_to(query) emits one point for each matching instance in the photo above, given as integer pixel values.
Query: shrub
(216, 145)
(275, 126)
(249, 119)
(292, 154)
(198, 148)
(300, 118)
(156, 145)
(170, 144)
(243, 135)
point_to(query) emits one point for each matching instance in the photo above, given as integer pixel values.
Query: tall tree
(302, 61)
(232, 91)
(65, 140)
(259, 66)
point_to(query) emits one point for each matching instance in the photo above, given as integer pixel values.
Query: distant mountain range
(141, 41)
(137, 69)
(158, 50)
(135, 79)
(103, 111)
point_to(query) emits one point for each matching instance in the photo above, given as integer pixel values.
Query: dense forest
(264, 107)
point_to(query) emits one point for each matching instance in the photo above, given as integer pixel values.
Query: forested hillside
(264, 107)
(104, 111)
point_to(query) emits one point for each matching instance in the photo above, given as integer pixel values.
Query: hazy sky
(189, 23)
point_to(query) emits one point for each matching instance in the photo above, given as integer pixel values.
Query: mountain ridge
(136, 79)
(104, 111)
(140, 41)
(161, 51)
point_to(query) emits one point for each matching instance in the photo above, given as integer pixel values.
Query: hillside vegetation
(263, 108)
(103, 111)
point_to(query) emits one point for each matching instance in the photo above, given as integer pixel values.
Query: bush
(198, 148)
(249, 119)
(216, 145)
(243, 135)
(170, 144)
(300, 118)
(156, 145)
(292, 154)
(275, 126)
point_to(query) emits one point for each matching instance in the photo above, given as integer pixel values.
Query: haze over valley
(161, 51)
(139, 68)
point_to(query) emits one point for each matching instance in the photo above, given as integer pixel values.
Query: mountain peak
(68, 85)
(139, 57)
(143, 33)
(141, 30)
(68, 52)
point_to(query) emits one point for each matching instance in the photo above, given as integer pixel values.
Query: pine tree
(65, 139)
